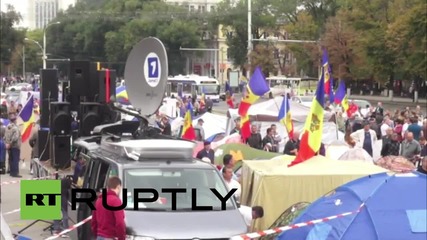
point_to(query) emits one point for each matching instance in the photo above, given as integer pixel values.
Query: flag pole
(336, 120)
(278, 109)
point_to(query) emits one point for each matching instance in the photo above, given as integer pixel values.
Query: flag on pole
(122, 95)
(256, 88)
(312, 135)
(229, 95)
(27, 116)
(285, 116)
(341, 97)
(329, 81)
(245, 127)
(188, 130)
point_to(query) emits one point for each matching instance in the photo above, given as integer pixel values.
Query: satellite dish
(146, 75)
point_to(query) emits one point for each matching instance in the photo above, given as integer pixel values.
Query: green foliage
(106, 31)
(10, 36)
(367, 39)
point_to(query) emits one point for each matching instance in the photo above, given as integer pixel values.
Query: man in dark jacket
(255, 140)
(106, 223)
(206, 152)
(292, 145)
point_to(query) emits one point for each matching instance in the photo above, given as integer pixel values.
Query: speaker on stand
(79, 82)
(61, 151)
(60, 130)
(90, 117)
(48, 93)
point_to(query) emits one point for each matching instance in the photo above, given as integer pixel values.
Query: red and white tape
(75, 226)
(294, 226)
(17, 181)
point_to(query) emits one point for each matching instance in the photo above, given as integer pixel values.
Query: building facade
(41, 12)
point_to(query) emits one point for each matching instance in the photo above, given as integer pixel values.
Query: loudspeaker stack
(60, 134)
(48, 93)
(89, 116)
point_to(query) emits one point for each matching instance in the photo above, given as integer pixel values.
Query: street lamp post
(250, 46)
(44, 43)
(23, 62)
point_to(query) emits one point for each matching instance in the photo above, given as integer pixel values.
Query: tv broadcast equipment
(146, 85)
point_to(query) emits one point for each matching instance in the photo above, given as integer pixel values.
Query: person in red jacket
(107, 224)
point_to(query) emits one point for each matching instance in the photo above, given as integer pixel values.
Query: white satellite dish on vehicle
(146, 75)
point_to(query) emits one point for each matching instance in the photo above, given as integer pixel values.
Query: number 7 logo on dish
(152, 70)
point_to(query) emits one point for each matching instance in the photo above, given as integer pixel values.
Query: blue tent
(395, 209)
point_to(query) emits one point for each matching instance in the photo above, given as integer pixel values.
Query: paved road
(10, 200)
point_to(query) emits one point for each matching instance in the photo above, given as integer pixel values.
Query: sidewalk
(398, 100)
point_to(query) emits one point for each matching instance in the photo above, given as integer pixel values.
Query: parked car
(20, 87)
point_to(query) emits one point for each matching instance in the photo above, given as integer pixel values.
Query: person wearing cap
(365, 138)
(13, 144)
(200, 132)
(206, 152)
(236, 128)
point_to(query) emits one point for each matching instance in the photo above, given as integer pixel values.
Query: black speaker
(45, 112)
(49, 84)
(79, 78)
(65, 90)
(61, 151)
(93, 84)
(60, 118)
(48, 92)
(106, 85)
(43, 144)
(89, 116)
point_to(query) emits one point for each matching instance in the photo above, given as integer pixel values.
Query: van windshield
(200, 179)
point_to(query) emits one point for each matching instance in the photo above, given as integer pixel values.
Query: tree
(263, 56)
(107, 32)
(307, 54)
(407, 37)
(10, 36)
(341, 41)
(33, 53)
(233, 16)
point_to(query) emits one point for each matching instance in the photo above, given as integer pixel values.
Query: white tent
(266, 113)
(213, 124)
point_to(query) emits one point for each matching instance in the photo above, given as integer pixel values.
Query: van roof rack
(117, 128)
(151, 149)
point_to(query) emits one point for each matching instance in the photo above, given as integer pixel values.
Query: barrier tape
(75, 226)
(13, 211)
(294, 226)
(17, 181)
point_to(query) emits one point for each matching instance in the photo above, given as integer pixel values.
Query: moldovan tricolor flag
(285, 117)
(256, 88)
(188, 130)
(341, 97)
(27, 116)
(327, 73)
(229, 95)
(313, 129)
(245, 127)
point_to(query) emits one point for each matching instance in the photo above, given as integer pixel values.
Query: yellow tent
(271, 184)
